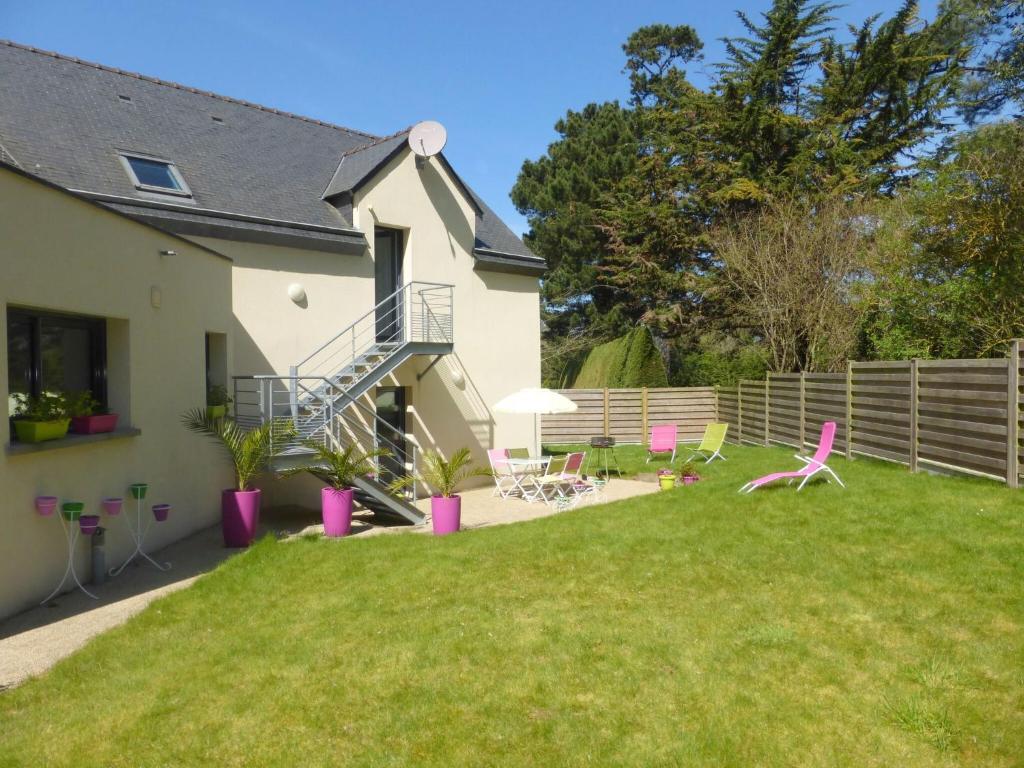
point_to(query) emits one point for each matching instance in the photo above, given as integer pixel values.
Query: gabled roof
(254, 171)
(359, 165)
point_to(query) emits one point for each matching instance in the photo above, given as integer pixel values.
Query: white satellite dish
(426, 139)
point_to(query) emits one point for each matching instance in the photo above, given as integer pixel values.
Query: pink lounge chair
(812, 465)
(663, 440)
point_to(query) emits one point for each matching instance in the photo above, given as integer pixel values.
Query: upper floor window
(153, 175)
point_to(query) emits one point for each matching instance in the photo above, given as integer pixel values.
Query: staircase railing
(416, 312)
(261, 399)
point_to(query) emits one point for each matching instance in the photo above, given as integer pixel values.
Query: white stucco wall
(62, 254)
(497, 316)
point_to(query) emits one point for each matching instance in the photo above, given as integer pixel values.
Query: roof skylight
(152, 175)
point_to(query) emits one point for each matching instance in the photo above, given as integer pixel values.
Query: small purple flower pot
(112, 506)
(445, 514)
(45, 505)
(88, 524)
(689, 480)
(160, 512)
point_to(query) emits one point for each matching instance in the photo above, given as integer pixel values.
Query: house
(167, 239)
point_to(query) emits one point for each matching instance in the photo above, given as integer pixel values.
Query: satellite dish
(426, 139)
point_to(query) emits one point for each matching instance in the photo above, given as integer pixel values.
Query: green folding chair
(711, 444)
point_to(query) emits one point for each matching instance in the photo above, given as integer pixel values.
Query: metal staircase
(321, 394)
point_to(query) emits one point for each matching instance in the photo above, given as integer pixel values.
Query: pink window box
(91, 425)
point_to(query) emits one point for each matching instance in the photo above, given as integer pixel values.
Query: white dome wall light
(297, 294)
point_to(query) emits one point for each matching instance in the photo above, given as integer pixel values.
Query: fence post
(849, 409)
(607, 419)
(739, 411)
(803, 411)
(913, 414)
(767, 389)
(1012, 414)
(643, 416)
(718, 415)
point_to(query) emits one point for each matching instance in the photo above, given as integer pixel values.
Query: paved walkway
(33, 641)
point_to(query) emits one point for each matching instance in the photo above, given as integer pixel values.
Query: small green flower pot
(216, 411)
(40, 431)
(72, 510)
(139, 490)
(667, 482)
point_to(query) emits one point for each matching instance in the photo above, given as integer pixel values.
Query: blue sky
(498, 75)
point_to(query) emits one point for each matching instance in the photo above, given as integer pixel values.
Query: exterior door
(390, 406)
(387, 260)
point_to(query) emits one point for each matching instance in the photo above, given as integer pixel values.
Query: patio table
(522, 468)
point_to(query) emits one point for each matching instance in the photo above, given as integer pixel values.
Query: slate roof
(253, 170)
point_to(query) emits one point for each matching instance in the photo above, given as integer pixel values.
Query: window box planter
(93, 425)
(40, 431)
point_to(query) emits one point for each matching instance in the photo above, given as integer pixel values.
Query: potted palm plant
(444, 476)
(88, 416)
(37, 419)
(250, 452)
(337, 469)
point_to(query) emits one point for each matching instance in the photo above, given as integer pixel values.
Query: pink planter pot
(445, 514)
(88, 524)
(690, 480)
(160, 512)
(336, 507)
(93, 425)
(112, 505)
(45, 505)
(239, 516)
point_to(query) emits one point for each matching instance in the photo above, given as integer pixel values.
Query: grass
(878, 626)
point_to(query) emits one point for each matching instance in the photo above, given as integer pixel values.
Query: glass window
(155, 174)
(55, 353)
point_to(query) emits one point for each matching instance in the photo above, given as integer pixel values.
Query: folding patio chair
(812, 464)
(504, 478)
(663, 440)
(551, 481)
(711, 444)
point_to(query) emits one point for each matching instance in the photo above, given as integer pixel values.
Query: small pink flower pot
(45, 505)
(239, 516)
(93, 425)
(112, 506)
(88, 524)
(445, 514)
(689, 480)
(336, 507)
(160, 512)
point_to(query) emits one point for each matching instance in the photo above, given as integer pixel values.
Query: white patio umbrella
(536, 401)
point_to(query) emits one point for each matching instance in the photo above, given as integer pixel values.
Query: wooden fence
(628, 413)
(950, 415)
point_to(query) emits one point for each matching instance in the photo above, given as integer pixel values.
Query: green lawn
(878, 626)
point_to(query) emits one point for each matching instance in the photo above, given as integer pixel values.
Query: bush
(632, 360)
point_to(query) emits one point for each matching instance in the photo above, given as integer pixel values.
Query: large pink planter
(445, 514)
(336, 507)
(239, 516)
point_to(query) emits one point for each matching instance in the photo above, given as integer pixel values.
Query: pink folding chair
(663, 440)
(812, 464)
